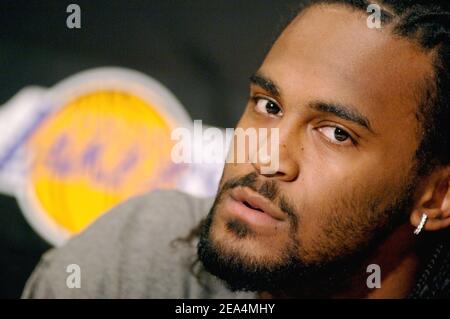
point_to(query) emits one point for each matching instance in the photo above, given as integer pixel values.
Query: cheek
(339, 211)
(325, 213)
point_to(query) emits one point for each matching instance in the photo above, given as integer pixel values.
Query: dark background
(202, 50)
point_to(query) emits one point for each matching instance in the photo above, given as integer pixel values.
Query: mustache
(268, 189)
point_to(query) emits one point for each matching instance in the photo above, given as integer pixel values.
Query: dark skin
(344, 98)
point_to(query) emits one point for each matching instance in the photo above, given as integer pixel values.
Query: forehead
(328, 52)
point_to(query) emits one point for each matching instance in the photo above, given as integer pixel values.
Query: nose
(278, 163)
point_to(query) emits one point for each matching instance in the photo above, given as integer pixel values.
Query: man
(363, 180)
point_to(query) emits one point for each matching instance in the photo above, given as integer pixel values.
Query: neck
(398, 264)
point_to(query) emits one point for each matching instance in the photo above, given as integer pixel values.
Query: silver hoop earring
(421, 224)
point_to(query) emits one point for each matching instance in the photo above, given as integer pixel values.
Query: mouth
(254, 209)
(256, 202)
(251, 207)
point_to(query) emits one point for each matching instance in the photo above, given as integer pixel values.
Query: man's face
(348, 131)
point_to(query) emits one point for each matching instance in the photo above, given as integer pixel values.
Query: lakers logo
(106, 137)
(95, 152)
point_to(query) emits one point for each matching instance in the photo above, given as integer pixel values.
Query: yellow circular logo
(96, 151)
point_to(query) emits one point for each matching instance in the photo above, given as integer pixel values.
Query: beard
(294, 274)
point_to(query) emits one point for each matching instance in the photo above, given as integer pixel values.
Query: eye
(336, 135)
(266, 106)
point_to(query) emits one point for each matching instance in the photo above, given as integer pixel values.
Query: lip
(261, 207)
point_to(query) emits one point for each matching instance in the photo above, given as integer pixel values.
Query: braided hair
(426, 22)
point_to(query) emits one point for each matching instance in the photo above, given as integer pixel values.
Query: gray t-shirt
(130, 253)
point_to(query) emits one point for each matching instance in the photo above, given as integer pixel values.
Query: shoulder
(127, 253)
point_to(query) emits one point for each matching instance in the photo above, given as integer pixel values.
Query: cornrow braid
(435, 25)
(434, 280)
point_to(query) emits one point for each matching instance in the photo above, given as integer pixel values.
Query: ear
(434, 201)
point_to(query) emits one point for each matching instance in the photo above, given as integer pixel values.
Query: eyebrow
(347, 113)
(344, 112)
(265, 83)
